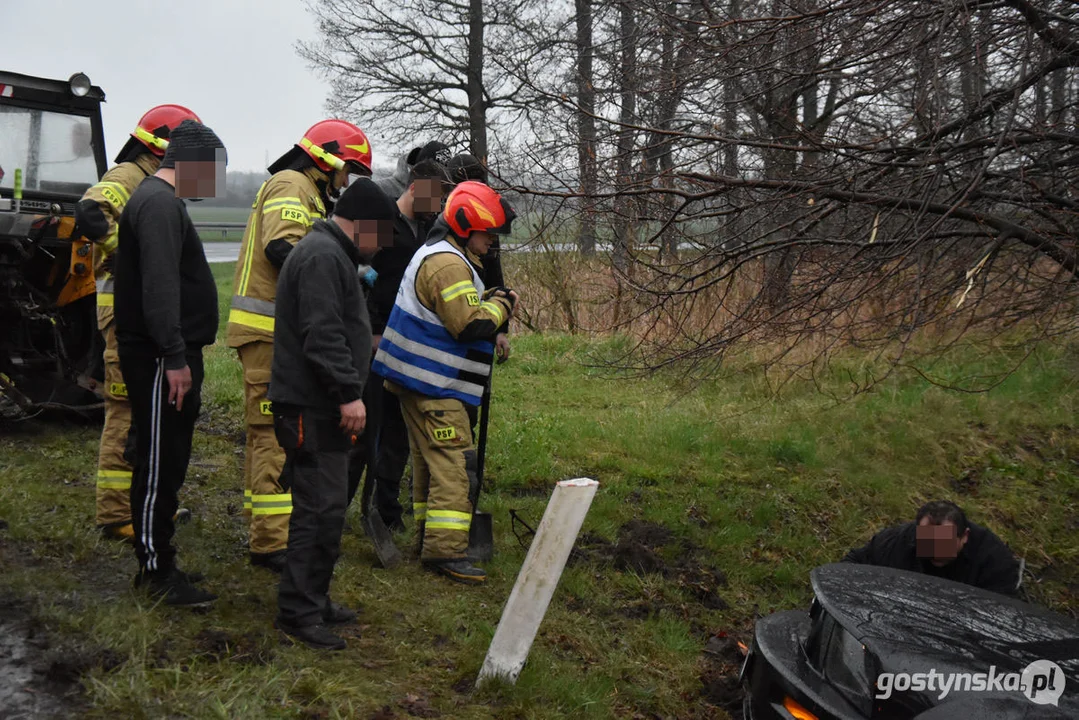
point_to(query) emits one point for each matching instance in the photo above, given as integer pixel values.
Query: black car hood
(914, 623)
(995, 708)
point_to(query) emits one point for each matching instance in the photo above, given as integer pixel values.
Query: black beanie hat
(466, 167)
(434, 150)
(364, 200)
(192, 141)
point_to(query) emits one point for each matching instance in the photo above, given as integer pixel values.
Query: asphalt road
(222, 252)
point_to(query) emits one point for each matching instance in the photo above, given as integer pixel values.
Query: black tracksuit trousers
(316, 472)
(162, 451)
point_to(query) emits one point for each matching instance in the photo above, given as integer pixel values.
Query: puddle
(29, 687)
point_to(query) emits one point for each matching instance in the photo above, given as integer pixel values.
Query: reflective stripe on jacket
(418, 352)
(111, 194)
(285, 208)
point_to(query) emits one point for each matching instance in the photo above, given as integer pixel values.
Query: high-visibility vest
(419, 353)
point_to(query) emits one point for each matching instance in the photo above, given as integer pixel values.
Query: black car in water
(887, 644)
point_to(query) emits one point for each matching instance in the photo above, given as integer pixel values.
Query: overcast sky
(231, 61)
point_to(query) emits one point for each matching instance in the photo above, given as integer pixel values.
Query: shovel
(373, 526)
(481, 540)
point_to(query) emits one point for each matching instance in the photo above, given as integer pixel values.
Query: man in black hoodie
(322, 349)
(942, 542)
(386, 450)
(166, 312)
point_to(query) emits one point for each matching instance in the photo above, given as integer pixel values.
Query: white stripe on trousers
(152, 471)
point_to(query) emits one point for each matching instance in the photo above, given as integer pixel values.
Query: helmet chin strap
(324, 187)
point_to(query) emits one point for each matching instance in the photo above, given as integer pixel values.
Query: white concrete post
(538, 579)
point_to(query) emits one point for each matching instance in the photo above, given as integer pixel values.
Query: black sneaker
(274, 562)
(190, 577)
(316, 636)
(177, 591)
(338, 615)
(460, 570)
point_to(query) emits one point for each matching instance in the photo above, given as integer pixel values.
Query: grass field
(712, 509)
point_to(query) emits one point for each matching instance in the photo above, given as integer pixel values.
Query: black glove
(504, 292)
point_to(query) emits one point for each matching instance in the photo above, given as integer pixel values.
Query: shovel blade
(481, 539)
(388, 554)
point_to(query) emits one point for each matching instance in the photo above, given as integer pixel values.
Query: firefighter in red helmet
(96, 216)
(303, 184)
(436, 355)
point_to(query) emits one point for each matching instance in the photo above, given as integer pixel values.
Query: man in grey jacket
(322, 351)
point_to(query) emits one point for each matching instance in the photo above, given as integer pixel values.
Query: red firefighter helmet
(155, 126)
(333, 143)
(474, 206)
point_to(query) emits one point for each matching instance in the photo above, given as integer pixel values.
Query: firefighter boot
(461, 571)
(124, 532)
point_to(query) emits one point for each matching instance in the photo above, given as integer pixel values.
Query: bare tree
(815, 172)
(417, 67)
(586, 123)
(846, 172)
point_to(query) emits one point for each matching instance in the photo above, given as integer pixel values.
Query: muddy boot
(319, 637)
(461, 571)
(338, 615)
(274, 562)
(175, 589)
(123, 533)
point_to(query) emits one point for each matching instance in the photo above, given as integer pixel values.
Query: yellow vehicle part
(80, 278)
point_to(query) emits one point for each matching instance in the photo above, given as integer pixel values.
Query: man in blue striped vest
(436, 355)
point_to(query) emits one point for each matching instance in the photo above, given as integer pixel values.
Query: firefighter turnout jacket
(286, 207)
(98, 215)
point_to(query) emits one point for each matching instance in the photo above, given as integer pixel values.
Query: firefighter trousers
(266, 502)
(114, 452)
(443, 471)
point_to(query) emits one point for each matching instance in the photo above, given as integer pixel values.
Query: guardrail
(234, 231)
(221, 230)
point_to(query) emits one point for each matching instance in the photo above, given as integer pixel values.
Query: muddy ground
(40, 673)
(645, 547)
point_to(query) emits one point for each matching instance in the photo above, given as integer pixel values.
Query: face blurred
(200, 178)
(480, 242)
(426, 196)
(370, 235)
(939, 544)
